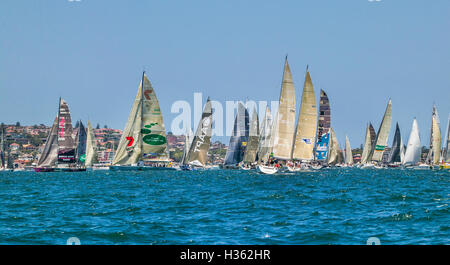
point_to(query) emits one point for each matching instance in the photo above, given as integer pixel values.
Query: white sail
(413, 149)
(446, 153)
(283, 135)
(348, 152)
(144, 136)
(367, 146)
(264, 145)
(187, 145)
(402, 151)
(334, 156)
(434, 154)
(91, 147)
(305, 132)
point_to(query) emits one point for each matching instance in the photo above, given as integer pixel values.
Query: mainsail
(323, 127)
(413, 149)
(265, 137)
(3, 163)
(250, 154)
(49, 155)
(144, 136)
(66, 146)
(367, 145)
(348, 152)
(382, 135)
(80, 141)
(198, 150)
(446, 153)
(283, 134)
(435, 139)
(239, 137)
(335, 153)
(187, 145)
(395, 154)
(91, 147)
(305, 133)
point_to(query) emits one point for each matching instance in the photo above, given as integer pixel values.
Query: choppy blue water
(344, 206)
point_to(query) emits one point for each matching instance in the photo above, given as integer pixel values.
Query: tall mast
(142, 111)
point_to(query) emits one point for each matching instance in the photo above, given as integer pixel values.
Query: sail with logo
(238, 139)
(80, 141)
(198, 150)
(305, 132)
(59, 150)
(143, 144)
(323, 127)
(382, 136)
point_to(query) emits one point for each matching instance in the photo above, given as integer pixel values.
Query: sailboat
(189, 136)
(91, 160)
(413, 149)
(283, 127)
(197, 150)
(381, 139)
(80, 143)
(323, 128)
(445, 164)
(335, 156)
(265, 138)
(368, 146)
(305, 133)
(395, 156)
(348, 152)
(238, 139)
(143, 145)
(434, 154)
(251, 151)
(59, 150)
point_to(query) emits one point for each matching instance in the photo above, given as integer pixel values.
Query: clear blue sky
(92, 54)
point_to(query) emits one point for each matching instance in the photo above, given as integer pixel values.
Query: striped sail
(91, 147)
(382, 135)
(250, 155)
(307, 123)
(348, 152)
(413, 149)
(144, 136)
(66, 144)
(323, 127)
(239, 137)
(283, 135)
(49, 155)
(264, 145)
(198, 150)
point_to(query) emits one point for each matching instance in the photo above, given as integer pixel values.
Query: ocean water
(342, 206)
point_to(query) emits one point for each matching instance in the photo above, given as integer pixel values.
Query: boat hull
(49, 169)
(266, 169)
(139, 168)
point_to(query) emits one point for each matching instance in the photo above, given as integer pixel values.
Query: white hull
(266, 169)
